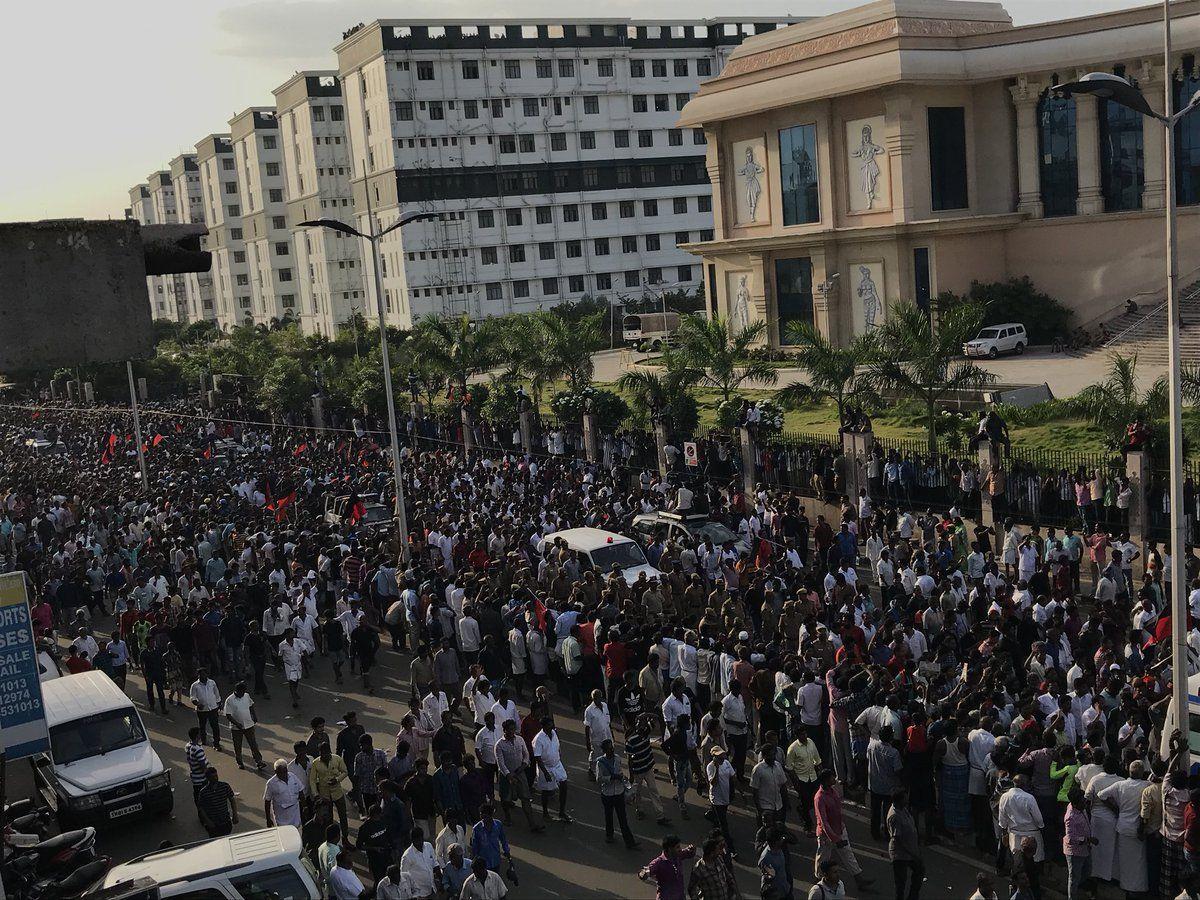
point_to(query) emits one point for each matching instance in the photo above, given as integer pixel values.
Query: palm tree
(664, 389)
(833, 372)
(1117, 401)
(721, 357)
(917, 359)
(521, 351)
(568, 345)
(456, 346)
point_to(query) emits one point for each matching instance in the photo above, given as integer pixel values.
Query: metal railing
(1191, 292)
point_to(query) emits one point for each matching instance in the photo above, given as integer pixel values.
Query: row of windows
(570, 212)
(528, 143)
(336, 114)
(547, 250)
(545, 68)
(544, 178)
(531, 107)
(521, 289)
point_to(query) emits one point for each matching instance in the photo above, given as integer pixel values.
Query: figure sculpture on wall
(750, 171)
(868, 168)
(739, 316)
(868, 295)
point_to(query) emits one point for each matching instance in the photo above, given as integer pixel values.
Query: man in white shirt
(344, 883)
(419, 864)
(550, 773)
(597, 728)
(1125, 799)
(1020, 817)
(281, 796)
(239, 712)
(206, 699)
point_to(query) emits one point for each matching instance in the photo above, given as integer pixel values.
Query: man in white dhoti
(550, 772)
(291, 654)
(1125, 799)
(1104, 822)
(1020, 817)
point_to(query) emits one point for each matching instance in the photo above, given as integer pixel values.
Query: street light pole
(373, 238)
(397, 472)
(1118, 90)
(1179, 593)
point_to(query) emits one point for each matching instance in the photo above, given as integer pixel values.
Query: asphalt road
(566, 861)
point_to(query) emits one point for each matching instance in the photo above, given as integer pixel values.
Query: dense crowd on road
(1001, 693)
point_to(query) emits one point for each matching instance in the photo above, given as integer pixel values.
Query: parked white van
(996, 339)
(254, 864)
(606, 549)
(101, 767)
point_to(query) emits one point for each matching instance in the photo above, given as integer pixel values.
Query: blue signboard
(23, 730)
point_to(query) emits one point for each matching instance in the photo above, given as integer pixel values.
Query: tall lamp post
(1106, 86)
(374, 238)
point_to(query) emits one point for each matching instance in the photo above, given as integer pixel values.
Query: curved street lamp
(374, 239)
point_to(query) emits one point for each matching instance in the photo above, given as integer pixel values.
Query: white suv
(997, 339)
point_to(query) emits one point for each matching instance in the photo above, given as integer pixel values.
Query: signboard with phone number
(23, 730)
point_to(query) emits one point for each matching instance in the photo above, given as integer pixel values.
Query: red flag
(300, 449)
(145, 446)
(207, 454)
(112, 441)
(178, 428)
(539, 610)
(357, 512)
(282, 504)
(158, 439)
(37, 414)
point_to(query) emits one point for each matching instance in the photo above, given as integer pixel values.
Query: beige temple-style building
(908, 147)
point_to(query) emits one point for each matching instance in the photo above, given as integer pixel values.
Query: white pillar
(1150, 80)
(1087, 148)
(1029, 189)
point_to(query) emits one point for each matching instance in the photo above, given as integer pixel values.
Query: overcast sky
(102, 94)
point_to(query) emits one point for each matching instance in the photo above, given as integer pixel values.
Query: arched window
(1122, 169)
(1057, 154)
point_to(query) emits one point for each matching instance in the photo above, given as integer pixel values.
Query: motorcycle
(66, 884)
(58, 855)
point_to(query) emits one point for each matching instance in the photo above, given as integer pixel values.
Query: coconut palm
(523, 355)
(568, 345)
(664, 389)
(721, 357)
(1112, 404)
(917, 359)
(456, 346)
(833, 372)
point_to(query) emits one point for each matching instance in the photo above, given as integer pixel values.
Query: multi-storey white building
(254, 135)
(142, 208)
(328, 264)
(548, 153)
(222, 208)
(189, 206)
(166, 212)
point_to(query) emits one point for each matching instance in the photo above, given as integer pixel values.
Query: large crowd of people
(1002, 693)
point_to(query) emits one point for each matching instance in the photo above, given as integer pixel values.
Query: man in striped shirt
(641, 768)
(196, 760)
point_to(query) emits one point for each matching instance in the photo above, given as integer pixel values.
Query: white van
(101, 767)
(254, 864)
(605, 550)
(996, 339)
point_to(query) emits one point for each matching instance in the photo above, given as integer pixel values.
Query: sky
(103, 94)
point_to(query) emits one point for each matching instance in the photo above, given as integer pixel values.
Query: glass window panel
(798, 175)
